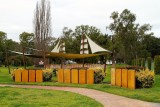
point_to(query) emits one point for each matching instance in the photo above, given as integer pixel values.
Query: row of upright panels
(123, 78)
(28, 76)
(76, 76)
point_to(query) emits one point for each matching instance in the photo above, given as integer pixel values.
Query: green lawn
(146, 94)
(16, 97)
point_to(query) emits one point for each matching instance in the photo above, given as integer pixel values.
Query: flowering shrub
(47, 75)
(144, 78)
(98, 75)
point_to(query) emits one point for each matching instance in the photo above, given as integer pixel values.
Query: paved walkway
(108, 100)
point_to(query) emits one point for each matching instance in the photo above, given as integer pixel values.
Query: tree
(2, 46)
(42, 25)
(68, 39)
(25, 39)
(127, 35)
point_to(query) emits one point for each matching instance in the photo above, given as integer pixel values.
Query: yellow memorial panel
(113, 76)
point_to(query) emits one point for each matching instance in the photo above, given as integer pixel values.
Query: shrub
(54, 72)
(98, 75)
(149, 62)
(157, 64)
(144, 79)
(47, 75)
(13, 73)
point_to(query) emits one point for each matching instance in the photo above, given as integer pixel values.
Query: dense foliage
(144, 79)
(47, 75)
(143, 62)
(149, 62)
(99, 75)
(157, 64)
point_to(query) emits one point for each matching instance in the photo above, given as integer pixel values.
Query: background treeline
(127, 40)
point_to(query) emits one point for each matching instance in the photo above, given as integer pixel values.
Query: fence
(123, 78)
(28, 75)
(76, 76)
(71, 66)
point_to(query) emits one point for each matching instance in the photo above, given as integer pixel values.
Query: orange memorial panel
(74, 76)
(67, 76)
(82, 76)
(18, 75)
(118, 77)
(39, 76)
(60, 75)
(131, 79)
(124, 78)
(32, 75)
(24, 75)
(90, 76)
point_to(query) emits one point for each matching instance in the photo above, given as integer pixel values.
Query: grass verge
(16, 97)
(146, 94)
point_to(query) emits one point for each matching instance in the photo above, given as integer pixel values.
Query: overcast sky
(16, 16)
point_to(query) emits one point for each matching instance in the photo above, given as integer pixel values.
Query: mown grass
(146, 94)
(15, 97)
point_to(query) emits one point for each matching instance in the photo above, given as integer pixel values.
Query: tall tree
(42, 25)
(25, 39)
(127, 35)
(2, 46)
(68, 39)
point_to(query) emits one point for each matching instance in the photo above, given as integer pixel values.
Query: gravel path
(108, 100)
